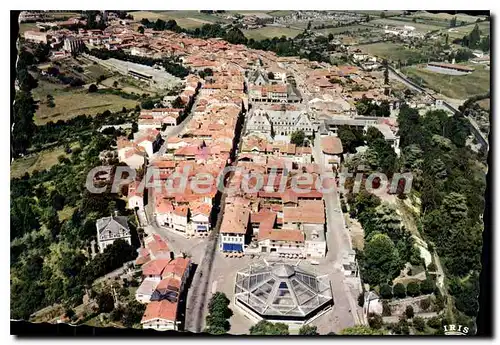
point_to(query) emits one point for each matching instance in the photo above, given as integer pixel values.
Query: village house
(135, 196)
(259, 122)
(130, 153)
(110, 229)
(161, 316)
(289, 242)
(174, 274)
(149, 139)
(168, 289)
(315, 241)
(332, 149)
(178, 268)
(279, 121)
(36, 36)
(234, 230)
(200, 219)
(171, 217)
(154, 248)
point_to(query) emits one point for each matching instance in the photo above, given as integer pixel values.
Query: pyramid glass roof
(278, 289)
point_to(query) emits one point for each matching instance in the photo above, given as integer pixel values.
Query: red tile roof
(171, 284)
(310, 211)
(331, 145)
(235, 220)
(286, 235)
(155, 267)
(177, 266)
(164, 309)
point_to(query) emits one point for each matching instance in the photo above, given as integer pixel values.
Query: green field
(73, 102)
(129, 85)
(461, 31)
(185, 19)
(59, 15)
(454, 86)
(351, 28)
(419, 26)
(446, 16)
(23, 27)
(485, 104)
(39, 161)
(260, 12)
(270, 32)
(249, 12)
(279, 13)
(389, 50)
(372, 13)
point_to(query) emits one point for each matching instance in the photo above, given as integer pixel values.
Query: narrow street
(175, 131)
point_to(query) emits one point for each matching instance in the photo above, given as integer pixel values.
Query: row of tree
(22, 119)
(412, 289)
(473, 40)
(219, 313)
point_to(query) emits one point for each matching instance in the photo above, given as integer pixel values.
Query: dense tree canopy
(381, 261)
(308, 330)
(49, 258)
(451, 187)
(219, 313)
(361, 330)
(298, 138)
(269, 328)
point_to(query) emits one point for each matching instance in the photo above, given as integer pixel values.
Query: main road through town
(337, 238)
(200, 293)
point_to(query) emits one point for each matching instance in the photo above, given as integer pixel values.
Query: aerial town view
(286, 172)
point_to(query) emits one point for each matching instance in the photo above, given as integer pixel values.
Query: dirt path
(408, 218)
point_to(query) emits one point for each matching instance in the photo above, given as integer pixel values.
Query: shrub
(92, 88)
(69, 313)
(439, 305)
(431, 267)
(308, 330)
(413, 289)
(386, 291)
(434, 322)
(386, 310)
(425, 303)
(399, 290)
(409, 312)
(116, 314)
(375, 321)
(401, 327)
(419, 323)
(361, 299)
(427, 286)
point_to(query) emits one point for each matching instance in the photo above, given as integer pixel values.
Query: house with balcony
(235, 229)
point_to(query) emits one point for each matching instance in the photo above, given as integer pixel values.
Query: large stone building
(260, 122)
(280, 121)
(273, 93)
(36, 36)
(73, 45)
